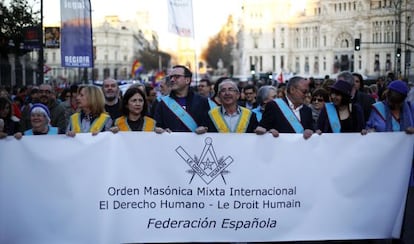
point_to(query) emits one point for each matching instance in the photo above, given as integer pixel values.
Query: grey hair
(263, 93)
(346, 76)
(293, 82)
(228, 81)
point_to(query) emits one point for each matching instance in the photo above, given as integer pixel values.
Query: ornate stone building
(318, 38)
(116, 46)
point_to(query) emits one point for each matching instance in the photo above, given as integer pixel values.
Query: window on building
(297, 65)
(46, 57)
(115, 73)
(306, 67)
(282, 62)
(359, 63)
(273, 62)
(324, 63)
(106, 73)
(316, 65)
(261, 63)
(388, 63)
(53, 57)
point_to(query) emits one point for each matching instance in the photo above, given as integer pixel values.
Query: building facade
(116, 47)
(318, 39)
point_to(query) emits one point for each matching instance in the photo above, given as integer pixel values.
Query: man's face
(203, 89)
(250, 95)
(165, 88)
(152, 95)
(45, 93)
(178, 81)
(357, 83)
(110, 89)
(298, 92)
(228, 94)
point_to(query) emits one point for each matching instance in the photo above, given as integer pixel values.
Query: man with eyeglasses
(288, 114)
(250, 97)
(57, 111)
(182, 110)
(229, 117)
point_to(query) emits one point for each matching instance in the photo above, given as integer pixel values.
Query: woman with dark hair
(320, 96)
(393, 114)
(340, 115)
(134, 110)
(10, 123)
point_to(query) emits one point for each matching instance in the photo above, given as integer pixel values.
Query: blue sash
(379, 106)
(51, 131)
(211, 103)
(258, 113)
(289, 115)
(180, 113)
(333, 117)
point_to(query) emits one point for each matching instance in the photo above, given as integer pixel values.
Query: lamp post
(12, 61)
(23, 63)
(41, 51)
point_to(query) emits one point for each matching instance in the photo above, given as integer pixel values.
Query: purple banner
(76, 33)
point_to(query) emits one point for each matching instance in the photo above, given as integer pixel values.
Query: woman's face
(38, 121)
(395, 98)
(318, 102)
(5, 111)
(272, 95)
(136, 104)
(336, 98)
(82, 99)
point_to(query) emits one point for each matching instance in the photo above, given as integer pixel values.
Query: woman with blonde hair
(92, 116)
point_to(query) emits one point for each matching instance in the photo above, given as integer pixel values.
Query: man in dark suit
(358, 96)
(288, 114)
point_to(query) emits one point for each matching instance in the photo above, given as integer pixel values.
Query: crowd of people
(302, 105)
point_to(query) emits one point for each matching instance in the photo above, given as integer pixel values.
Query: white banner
(182, 187)
(180, 17)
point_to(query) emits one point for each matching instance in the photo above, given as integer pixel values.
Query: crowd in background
(344, 104)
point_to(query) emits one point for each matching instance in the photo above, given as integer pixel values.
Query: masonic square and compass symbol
(207, 166)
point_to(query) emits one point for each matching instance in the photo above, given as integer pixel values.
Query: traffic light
(357, 43)
(398, 53)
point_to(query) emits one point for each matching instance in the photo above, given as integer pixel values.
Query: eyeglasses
(176, 76)
(302, 91)
(317, 100)
(230, 90)
(45, 91)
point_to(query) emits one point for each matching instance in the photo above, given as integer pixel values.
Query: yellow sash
(221, 124)
(149, 124)
(96, 126)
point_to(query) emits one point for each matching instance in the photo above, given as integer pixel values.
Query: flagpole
(40, 61)
(195, 45)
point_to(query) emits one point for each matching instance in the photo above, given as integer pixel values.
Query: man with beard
(182, 110)
(110, 89)
(57, 111)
